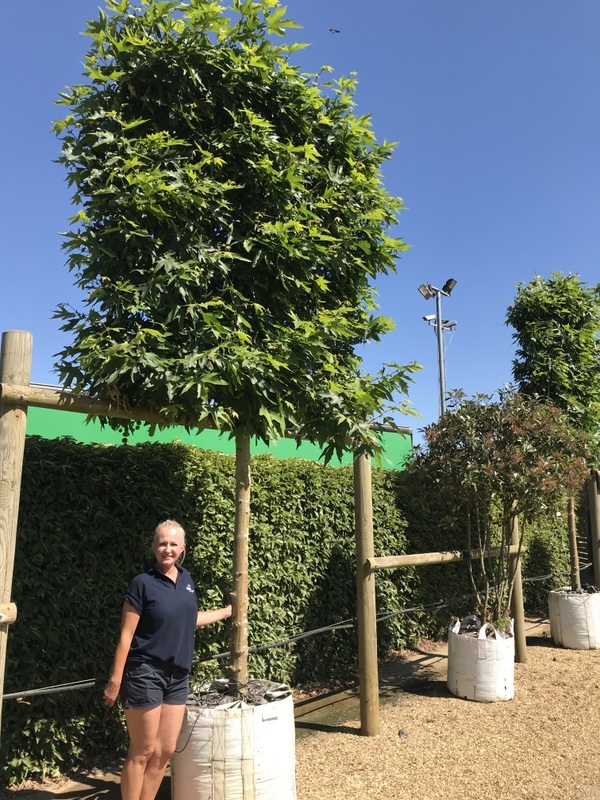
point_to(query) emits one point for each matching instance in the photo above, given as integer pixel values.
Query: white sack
(481, 668)
(236, 752)
(574, 618)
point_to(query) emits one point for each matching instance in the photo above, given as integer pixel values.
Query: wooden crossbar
(8, 613)
(66, 401)
(421, 559)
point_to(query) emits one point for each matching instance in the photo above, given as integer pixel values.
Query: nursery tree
(230, 221)
(494, 461)
(557, 322)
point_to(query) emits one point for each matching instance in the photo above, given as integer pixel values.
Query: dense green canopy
(557, 324)
(231, 222)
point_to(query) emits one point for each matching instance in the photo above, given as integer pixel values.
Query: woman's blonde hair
(168, 523)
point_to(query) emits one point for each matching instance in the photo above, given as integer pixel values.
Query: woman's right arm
(129, 622)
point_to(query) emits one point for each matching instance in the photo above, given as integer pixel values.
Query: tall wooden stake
(365, 585)
(517, 605)
(238, 667)
(573, 549)
(15, 366)
(594, 495)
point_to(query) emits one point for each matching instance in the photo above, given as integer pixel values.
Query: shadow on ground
(103, 785)
(418, 672)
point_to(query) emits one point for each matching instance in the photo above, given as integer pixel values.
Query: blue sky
(495, 106)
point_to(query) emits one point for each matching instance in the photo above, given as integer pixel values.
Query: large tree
(557, 325)
(231, 219)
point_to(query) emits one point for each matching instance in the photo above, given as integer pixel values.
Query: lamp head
(448, 286)
(426, 290)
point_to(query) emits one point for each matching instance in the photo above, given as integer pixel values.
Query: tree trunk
(238, 669)
(573, 551)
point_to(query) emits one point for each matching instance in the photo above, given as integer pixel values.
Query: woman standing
(152, 662)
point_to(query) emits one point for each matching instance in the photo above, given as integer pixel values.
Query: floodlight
(426, 290)
(441, 326)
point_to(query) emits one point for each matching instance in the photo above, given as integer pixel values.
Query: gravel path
(543, 745)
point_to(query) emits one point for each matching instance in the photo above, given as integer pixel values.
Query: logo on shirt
(190, 588)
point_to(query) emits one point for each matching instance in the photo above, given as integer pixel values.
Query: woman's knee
(141, 754)
(163, 752)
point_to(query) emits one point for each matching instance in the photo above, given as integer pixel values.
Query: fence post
(15, 366)
(594, 497)
(518, 607)
(365, 587)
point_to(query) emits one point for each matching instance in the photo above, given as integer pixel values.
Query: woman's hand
(111, 692)
(227, 611)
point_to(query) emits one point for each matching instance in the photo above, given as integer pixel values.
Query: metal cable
(62, 687)
(343, 625)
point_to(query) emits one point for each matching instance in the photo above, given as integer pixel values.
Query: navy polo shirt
(168, 613)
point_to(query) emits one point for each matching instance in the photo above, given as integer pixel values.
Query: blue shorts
(148, 684)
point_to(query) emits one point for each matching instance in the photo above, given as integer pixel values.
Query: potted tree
(496, 462)
(231, 219)
(557, 322)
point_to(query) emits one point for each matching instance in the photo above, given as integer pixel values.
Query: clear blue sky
(495, 105)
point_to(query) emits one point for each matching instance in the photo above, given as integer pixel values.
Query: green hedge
(86, 518)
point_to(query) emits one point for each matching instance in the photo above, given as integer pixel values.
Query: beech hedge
(86, 519)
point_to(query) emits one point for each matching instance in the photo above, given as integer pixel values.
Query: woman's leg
(142, 726)
(171, 719)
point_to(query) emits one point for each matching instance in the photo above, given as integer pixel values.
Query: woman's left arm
(214, 615)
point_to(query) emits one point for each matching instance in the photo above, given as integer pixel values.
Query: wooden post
(517, 605)
(15, 367)
(365, 586)
(594, 496)
(238, 667)
(573, 549)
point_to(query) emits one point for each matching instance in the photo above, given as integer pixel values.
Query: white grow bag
(481, 668)
(236, 752)
(574, 618)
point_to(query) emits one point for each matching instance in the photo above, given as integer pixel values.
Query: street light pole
(439, 332)
(428, 291)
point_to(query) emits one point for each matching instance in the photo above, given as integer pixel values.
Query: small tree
(557, 322)
(494, 461)
(231, 220)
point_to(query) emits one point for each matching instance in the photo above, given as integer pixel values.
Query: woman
(150, 671)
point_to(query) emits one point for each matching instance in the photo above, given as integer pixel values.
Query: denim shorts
(148, 684)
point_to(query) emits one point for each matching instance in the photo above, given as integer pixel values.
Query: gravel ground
(542, 745)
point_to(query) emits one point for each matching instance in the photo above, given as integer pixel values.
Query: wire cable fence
(438, 605)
